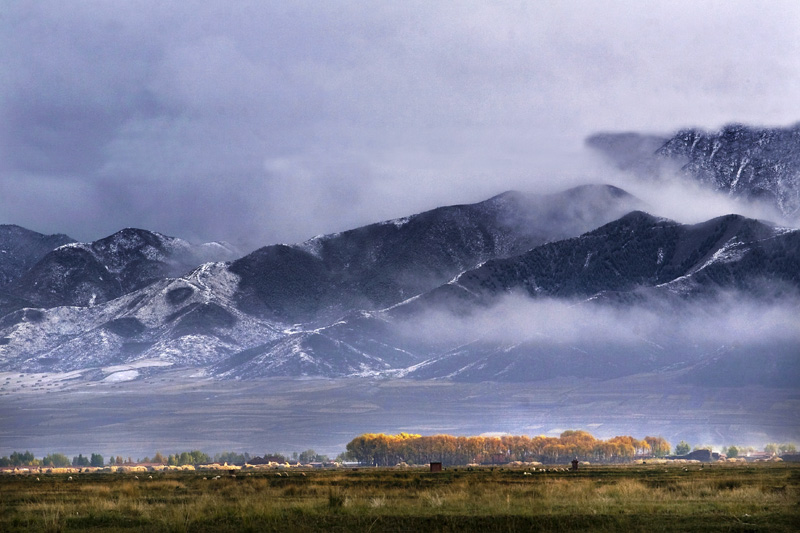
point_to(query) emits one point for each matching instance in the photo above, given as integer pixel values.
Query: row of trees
(193, 457)
(60, 460)
(95, 460)
(379, 449)
(52, 460)
(386, 450)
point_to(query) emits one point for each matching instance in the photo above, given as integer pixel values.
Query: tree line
(57, 460)
(193, 457)
(379, 449)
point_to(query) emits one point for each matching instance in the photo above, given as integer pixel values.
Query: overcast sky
(271, 122)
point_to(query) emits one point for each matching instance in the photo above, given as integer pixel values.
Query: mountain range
(340, 305)
(508, 289)
(85, 274)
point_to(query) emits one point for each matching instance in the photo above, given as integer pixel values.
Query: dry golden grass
(618, 498)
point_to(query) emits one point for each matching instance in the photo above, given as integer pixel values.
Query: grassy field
(762, 497)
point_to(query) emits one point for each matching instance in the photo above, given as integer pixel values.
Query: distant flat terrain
(174, 412)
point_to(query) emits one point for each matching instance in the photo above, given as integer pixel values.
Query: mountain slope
(636, 260)
(21, 248)
(265, 315)
(754, 163)
(663, 268)
(83, 274)
(381, 264)
(244, 320)
(188, 321)
(640, 250)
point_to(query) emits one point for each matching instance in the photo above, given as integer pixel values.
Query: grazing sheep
(69, 478)
(151, 477)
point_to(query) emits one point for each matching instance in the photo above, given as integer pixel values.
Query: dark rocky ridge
(636, 260)
(382, 264)
(21, 248)
(640, 250)
(640, 260)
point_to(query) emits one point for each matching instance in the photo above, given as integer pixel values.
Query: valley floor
(172, 412)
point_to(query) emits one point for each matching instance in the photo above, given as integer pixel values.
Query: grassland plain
(751, 497)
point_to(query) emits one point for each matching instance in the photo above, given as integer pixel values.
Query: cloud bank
(266, 122)
(727, 319)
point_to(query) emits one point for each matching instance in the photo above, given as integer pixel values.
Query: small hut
(436, 467)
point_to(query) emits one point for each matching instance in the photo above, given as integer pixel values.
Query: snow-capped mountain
(637, 260)
(356, 303)
(84, 274)
(123, 309)
(752, 163)
(187, 321)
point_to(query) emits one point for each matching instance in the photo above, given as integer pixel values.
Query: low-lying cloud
(727, 319)
(669, 193)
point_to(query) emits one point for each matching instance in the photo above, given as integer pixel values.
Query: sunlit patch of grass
(53, 516)
(376, 502)
(96, 488)
(432, 499)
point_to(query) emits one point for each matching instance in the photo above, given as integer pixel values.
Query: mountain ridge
(84, 274)
(387, 262)
(203, 319)
(21, 248)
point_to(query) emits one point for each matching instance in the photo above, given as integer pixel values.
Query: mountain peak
(590, 188)
(131, 238)
(21, 248)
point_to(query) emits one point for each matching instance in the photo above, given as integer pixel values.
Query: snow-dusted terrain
(386, 300)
